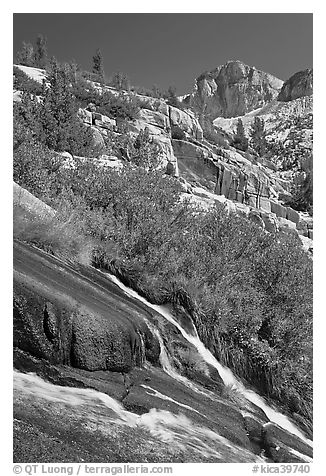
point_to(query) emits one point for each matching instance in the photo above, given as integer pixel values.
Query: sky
(173, 49)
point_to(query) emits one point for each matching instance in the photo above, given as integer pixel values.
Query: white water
(224, 372)
(168, 368)
(177, 430)
(157, 394)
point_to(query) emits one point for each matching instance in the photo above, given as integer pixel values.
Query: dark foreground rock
(100, 377)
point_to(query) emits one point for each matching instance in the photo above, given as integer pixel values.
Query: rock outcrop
(233, 89)
(297, 86)
(24, 199)
(73, 323)
(211, 168)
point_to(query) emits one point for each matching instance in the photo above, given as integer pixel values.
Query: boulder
(68, 160)
(109, 161)
(255, 217)
(292, 215)
(278, 209)
(286, 225)
(264, 204)
(270, 222)
(85, 116)
(98, 140)
(104, 122)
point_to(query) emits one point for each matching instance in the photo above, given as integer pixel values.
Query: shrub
(215, 138)
(178, 133)
(35, 167)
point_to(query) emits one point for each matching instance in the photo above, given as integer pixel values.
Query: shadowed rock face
(233, 89)
(69, 318)
(297, 86)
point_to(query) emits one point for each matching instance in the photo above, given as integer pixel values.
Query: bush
(215, 138)
(178, 133)
(35, 167)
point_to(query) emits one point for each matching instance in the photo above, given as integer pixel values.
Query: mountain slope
(232, 89)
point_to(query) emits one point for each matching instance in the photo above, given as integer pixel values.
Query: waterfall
(225, 373)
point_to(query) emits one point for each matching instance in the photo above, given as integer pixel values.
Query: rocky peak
(297, 86)
(233, 89)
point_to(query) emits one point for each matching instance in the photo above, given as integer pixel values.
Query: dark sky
(173, 49)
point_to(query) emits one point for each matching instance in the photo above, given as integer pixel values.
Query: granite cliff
(232, 89)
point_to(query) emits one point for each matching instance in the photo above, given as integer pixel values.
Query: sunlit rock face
(233, 89)
(297, 86)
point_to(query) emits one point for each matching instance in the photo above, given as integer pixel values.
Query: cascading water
(178, 430)
(224, 372)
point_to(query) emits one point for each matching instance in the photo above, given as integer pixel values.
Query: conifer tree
(240, 140)
(258, 136)
(98, 67)
(25, 55)
(61, 129)
(41, 54)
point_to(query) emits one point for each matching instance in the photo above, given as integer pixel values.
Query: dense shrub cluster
(121, 106)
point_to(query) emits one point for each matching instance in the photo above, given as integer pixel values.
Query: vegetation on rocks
(240, 140)
(248, 292)
(258, 136)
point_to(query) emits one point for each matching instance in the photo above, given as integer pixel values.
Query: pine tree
(25, 56)
(240, 140)
(98, 64)
(41, 54)
(258, 136)
(60, 127)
